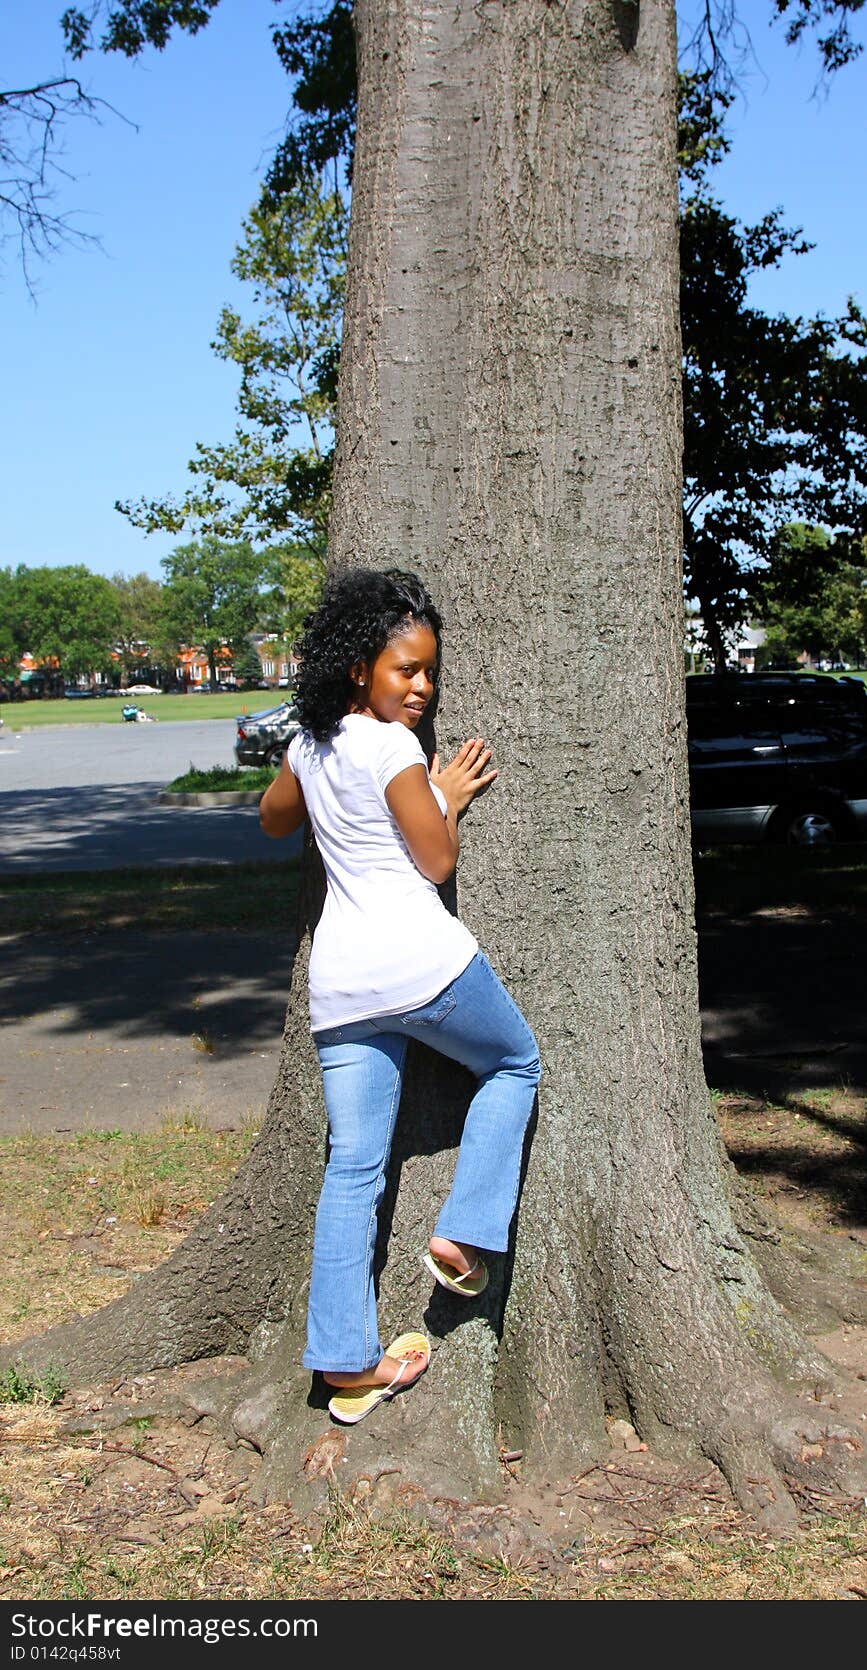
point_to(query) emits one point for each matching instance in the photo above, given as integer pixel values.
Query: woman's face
(400, 682)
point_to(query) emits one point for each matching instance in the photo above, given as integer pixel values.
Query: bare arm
(433, 839)
(282, 809)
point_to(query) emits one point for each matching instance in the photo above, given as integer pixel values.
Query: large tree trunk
(509, 426)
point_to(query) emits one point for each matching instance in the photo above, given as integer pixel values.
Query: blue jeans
(475, 1022)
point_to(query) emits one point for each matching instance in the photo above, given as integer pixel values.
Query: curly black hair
(360, 612)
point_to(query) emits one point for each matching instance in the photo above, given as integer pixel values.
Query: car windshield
(284, 711)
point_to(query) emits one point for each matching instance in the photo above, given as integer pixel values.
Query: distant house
(192, 665)
(37, 678)
(190, 670)
(741, 645)
(279, 664)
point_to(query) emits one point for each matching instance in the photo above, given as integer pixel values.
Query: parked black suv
(777, 756)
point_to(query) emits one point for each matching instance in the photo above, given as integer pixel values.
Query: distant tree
(775, 409)
(804, 559)
(302, 574)
(811, 599)
(246, 664)
(274, 476)
(844, 625)
(10, 638)
(141, 631)
(66, 615)
(216, 592)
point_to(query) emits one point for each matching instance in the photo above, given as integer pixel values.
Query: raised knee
(526, 1067)
(531, 1066)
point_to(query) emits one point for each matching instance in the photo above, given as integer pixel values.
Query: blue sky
(108, 378)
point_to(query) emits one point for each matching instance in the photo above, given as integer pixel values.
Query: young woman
(390, 963)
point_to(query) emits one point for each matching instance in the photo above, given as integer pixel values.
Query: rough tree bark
(509, 426)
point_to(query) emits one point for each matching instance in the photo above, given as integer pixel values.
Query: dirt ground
(125, 1490)
(110, 1496)
(122, 1491)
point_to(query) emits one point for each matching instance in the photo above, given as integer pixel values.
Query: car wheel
(275, 754)
(809, 826)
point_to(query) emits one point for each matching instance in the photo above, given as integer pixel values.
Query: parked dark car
(777, 756)
(262, 738)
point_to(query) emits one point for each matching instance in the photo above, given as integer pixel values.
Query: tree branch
(31, 123)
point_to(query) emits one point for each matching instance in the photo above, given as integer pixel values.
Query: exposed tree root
(768, 1470)
(776, 1449)
(672, 1325)
(417, 1452)
(174, 1314)
(275, 1407)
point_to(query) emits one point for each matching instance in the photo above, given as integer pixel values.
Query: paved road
(100, 1030)
(104, 1031)
(83, 797)
(83, 756)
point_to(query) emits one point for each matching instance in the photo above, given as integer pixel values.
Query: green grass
(127, 1202)
(18, 1385)
(245, 897)
(107, 710)
(222, 778)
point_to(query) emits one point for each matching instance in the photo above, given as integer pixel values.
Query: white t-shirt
(385, 941)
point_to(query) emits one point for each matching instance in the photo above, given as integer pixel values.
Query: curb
(213, 797)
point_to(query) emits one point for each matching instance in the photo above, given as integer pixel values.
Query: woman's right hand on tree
(461, 781)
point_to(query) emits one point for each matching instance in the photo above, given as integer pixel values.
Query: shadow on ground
(232, 986)
(810, 1149)
(106, 828)
(782, 999)
(197, 1017)
(121, 1029)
